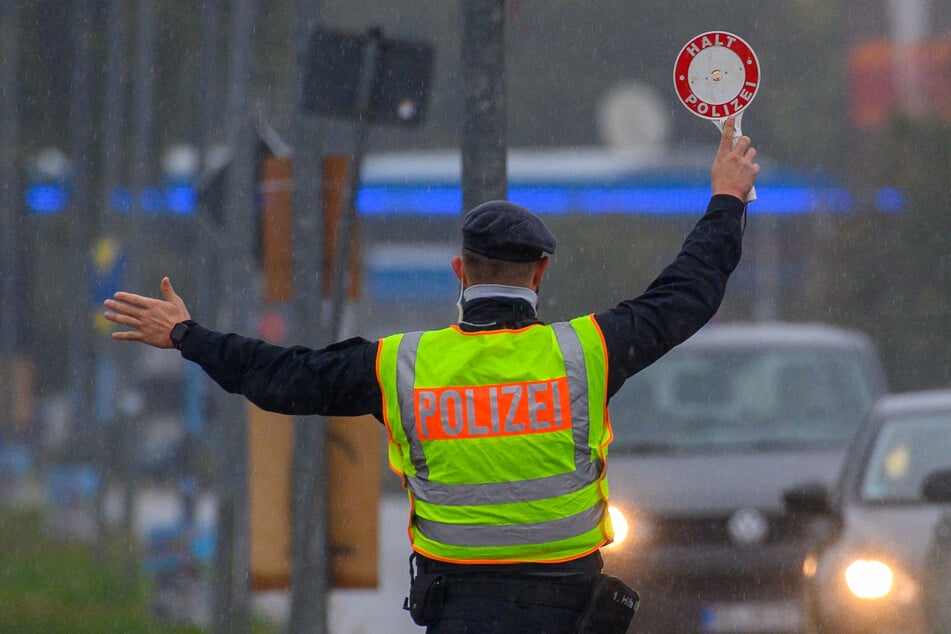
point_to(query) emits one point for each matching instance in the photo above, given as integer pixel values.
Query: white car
(882, 564)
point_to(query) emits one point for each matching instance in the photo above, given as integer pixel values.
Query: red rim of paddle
(716, 75)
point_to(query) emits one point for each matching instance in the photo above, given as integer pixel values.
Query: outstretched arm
(339, 380)
(150, 319)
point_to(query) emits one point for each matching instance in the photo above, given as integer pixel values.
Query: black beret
(505, 231)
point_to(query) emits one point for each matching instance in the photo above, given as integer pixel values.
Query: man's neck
(492, 306)
(480, 291)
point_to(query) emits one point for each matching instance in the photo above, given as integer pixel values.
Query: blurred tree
(892, 277)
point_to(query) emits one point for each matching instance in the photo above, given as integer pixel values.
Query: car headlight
(869, 578)
(858, 577)
(810, 565)
(863, 586)
(629, 527)
(620, 525)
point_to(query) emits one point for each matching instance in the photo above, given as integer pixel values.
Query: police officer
(497, 425)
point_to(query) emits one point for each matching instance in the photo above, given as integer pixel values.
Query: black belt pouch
(611, 607)
(427, 595)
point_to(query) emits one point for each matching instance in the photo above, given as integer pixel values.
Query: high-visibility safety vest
(501, 440)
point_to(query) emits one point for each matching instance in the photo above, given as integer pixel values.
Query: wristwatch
(179, 332)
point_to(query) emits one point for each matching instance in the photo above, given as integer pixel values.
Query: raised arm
(688, 292)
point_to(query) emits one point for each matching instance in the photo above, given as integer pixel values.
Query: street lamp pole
(80, 132)
(9, 204)
(113, 119)
(232, 597)
(484, 140)
(309, 565)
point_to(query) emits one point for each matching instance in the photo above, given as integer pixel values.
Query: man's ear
(540, 267)
(459, 269)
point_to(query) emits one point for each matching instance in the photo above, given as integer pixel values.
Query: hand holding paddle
(716, 76)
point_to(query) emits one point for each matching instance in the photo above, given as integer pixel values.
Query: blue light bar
(890, 200)
(122, 199)
(376, 200)
(152, 200)
(181, 199)
(47, 199)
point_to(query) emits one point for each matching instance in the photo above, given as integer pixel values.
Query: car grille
(712, 531)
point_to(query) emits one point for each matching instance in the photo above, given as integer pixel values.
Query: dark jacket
(341, 380)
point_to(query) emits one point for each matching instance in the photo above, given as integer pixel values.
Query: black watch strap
(179, 332)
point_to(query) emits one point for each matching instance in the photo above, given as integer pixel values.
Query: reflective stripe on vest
(555, 506)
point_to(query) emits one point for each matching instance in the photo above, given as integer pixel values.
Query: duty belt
(571, 595)
(436, 586)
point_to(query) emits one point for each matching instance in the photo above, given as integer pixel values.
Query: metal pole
(344, 239)
(78, 226)
(311, 581)
(909, 25)
(9, 204)
(233, 606)
(209, 114)
(766, 251)
(202, 255)
(212, 300)
(484, 140)
(143, 89)
(309, 565)
(311, 571)
(113, 125)
(113, 114)
(143, 143)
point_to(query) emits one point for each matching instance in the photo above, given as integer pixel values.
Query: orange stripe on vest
(485, 411)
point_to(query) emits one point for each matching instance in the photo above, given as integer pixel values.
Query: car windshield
(906, 451)
(706, 399)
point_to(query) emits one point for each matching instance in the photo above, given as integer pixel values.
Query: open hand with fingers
(150, 319)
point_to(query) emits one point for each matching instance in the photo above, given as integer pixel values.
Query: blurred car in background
(883, 561)
(706, 441)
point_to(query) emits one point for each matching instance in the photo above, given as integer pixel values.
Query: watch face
(177, 334)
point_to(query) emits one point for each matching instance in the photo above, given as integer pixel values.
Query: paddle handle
(737, 133)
